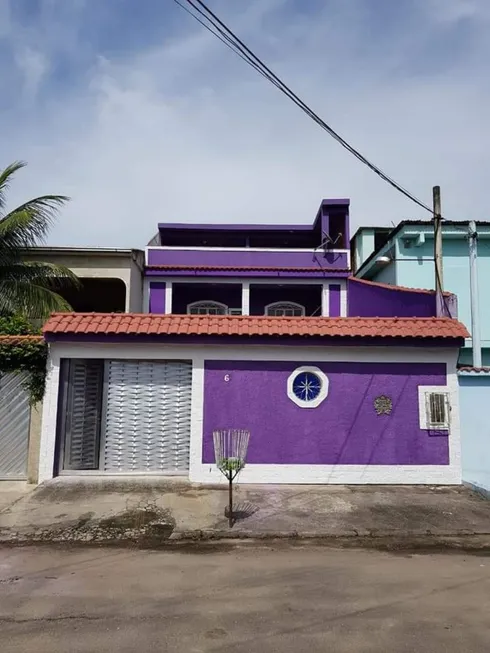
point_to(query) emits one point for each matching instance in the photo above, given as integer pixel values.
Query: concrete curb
(204, 535)
(381, 541)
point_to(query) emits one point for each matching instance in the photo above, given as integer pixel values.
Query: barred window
(437, 410)
(285, 309)
(207, 308)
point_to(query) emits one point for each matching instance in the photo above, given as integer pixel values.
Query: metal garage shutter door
(83, 414)
(15, 415)
(148, 416)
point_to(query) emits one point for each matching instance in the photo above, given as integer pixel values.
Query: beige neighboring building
(112, 279)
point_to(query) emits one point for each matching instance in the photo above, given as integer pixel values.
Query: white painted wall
(134, 292)
(206, 473)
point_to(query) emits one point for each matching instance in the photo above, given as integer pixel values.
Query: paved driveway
(261, 599)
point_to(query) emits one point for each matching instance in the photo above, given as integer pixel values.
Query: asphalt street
(221, 599)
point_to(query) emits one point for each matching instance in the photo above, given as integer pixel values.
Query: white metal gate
(147, 416)
(15, 416)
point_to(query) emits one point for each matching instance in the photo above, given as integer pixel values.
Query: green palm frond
(29, 287)
(5, 178)
(29, 224)
(36, 301)
(49, 275)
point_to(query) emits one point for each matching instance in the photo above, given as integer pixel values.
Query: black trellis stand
(230, 452)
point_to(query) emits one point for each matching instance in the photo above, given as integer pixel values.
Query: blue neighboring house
(404, 256)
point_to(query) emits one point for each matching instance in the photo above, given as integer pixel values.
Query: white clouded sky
(141, 116)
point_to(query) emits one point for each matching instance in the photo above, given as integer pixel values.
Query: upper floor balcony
(317, 250)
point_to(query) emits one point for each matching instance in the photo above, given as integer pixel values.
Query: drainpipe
(475, 306)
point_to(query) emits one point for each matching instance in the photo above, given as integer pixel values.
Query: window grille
(207, 308)
(285, 309)
(437, 410)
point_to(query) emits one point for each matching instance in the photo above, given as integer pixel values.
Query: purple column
(157, 297)
(334, 300)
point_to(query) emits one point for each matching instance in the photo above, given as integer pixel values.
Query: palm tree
(29, 287)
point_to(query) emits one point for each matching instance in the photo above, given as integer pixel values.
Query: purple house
(257, 327)
(276, 270)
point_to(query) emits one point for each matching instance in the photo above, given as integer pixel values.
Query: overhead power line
(218, 28)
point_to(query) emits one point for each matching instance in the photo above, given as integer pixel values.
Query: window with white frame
(207, 308)
(434, 408)
(285, 309)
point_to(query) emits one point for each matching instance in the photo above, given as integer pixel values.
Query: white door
(147, 416)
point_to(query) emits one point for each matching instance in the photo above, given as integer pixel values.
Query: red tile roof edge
(17, 340)
(477, 370)
(392, 287)
(147, 324)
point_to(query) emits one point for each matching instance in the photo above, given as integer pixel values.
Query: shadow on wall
(96, 296)
(369, 299)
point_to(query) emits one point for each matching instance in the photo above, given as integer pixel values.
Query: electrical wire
(224, 38)
(227, 36)
(220, 30)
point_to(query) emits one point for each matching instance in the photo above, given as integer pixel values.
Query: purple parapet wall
(334, 291)
(344, 430)
(367, 299)
(157, 297)
(318, 260)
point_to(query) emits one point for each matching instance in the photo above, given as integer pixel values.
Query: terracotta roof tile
(469, 369)
(19, 340)
(133, 324)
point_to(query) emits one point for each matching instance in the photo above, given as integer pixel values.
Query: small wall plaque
(383, 405)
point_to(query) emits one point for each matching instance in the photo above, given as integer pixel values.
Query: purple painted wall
(334, 300)
(318, 259)
(373, 300)
(344, 429)
(157, 297)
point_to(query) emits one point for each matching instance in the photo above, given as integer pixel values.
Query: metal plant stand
(230, 452)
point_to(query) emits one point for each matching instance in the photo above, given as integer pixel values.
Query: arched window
(285, 309)
(207, 308)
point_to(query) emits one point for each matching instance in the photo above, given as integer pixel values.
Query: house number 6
(227, 377)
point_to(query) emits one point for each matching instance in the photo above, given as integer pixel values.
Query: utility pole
(436, 196)
(475, 305)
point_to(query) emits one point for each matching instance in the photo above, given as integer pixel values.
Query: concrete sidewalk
(12, 491)
(155, 510)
